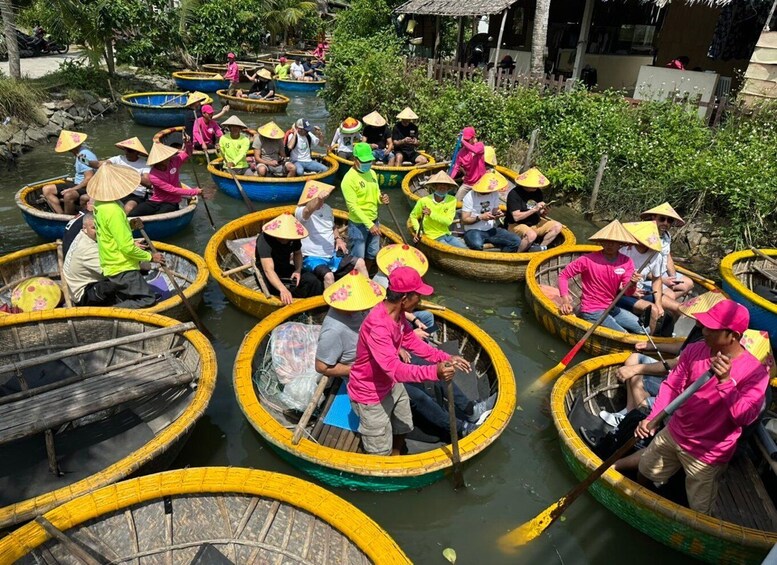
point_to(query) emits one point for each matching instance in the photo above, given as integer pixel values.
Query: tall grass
(20, 100)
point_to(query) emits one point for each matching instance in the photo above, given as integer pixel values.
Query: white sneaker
(612, 418)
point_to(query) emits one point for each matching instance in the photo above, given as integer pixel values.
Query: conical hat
(112, 182)
(36, 294)
(646, 233)
(401, 255)
(265, 74)
(69, 140)
(664, 209)
(374, 119)
(285, 226)
(270, 130)
(234, 121)
(350, 125)
(532, 178)
(489, 156)
(441, 177)
(701, 303)
(407, 114)
(133, 143)
(196, 97)
(315, 189)
(757, 343)
(354, 292)
(614, 231)
(491, 182)
(160, 152)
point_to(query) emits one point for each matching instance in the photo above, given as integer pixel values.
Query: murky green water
(518, 476)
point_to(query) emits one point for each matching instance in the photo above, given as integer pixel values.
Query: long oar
(247, 200)
(303, 422)
(205, 202)
(458, 475)
(456, 149)
(175, 98)
(653, 343)
(764, 256)
(533, 528)
(399, 226)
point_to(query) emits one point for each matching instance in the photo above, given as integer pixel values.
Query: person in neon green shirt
(438, 211)
(120, 258)
(235, 146)
(282, 68)
(362, 195)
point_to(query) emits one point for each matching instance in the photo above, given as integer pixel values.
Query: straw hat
(36, 294)
(757, 343)
(701, 303)
(354, 292)
(133, 143)
(401, 255)
(407, 114)
(646, 233)
(532, 178)
(664, 209)
(160, 152)
(441, 177)
(285, 226)
(489, 156)
(265, 74)
(350, 125)
(491, 182)
(69, 140)
(270, 130)
(614, 231)
(374, 119)
(196, 97)
(113, 182)
(316, 189)
(234, 121)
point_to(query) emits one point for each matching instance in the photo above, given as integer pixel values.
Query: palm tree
(92, 23)
(539, 38)
(9, 25)
(283, 15)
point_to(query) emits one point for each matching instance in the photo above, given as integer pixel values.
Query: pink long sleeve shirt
(710, 422)
(207, 132)
(377, 367)
(166, 184)
(471, 160)
(602, 279)
(233, 72)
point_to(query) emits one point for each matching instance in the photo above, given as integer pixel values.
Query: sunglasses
(665, 219)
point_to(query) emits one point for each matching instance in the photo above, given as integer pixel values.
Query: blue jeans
(361, 243)
(309, 167)
(381, 155)
(425, 407)
(618, 319)
(425, 317)
(451, 239)
(505, 240)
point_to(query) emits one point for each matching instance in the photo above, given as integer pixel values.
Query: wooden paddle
(764, 256)
(396, 222)
(458, 475)
(533, 528)
(197, 178)
(303, 422)
(176, 98)
(247, 200)
(76, 548)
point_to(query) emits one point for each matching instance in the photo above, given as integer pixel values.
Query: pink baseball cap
(230, 55)
(468, 132)
(407, 279)
(725, 315)
(207, 109)
(283, 59)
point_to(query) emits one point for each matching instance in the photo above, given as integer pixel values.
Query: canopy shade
(455, 8)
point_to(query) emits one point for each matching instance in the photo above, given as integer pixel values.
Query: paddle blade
(527, 531)
(549, 376)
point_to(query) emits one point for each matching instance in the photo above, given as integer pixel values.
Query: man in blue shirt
(70, 191)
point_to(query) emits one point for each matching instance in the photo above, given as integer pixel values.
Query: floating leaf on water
(489, 311)
(563, 518)
(519, 408)
(450, 554)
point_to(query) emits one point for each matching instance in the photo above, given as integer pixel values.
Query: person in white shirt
(299, 146)
(135, 155)
(82, 272)
(345, 136)
(297, 70)
(480, 215)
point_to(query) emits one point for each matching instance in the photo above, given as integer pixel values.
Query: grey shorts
(378, 423)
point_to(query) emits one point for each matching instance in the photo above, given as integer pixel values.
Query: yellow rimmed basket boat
(744, 530)
(413, 185)
(207, 515)
(221, 68)
(334, 455)
(277, 105)
(189, 270)
(544, 269)
(388, 177)
(91, 396)
(199, 81)
(744, 271)
(174, 138)
(240, 286)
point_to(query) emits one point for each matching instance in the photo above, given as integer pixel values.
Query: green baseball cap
(363, 152)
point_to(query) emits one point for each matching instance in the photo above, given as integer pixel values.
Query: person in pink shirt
(206, 131)
(470, 160)
(603, 274)
(702, 434)
(165, 163)
(375, 386)
(233, 72)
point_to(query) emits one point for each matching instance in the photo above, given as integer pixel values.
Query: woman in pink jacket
(165, 163)
(206, 131)
(233, 72)
(470, 161)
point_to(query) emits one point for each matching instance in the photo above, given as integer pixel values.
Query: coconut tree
(539, 38)
(283, 15)
(9, 26)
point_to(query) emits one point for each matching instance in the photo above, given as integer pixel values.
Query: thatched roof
(454, 7)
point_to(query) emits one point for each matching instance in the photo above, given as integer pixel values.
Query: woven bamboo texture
(43, 332)
(373, 472)
(390, 174)
(245, 515)
(245, 104)
(214, 168)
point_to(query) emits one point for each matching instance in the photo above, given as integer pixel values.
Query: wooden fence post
(595, 192)
(429, 68)
(530, 152)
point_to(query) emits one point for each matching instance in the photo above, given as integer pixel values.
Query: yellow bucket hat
(353, 293)
(441, 177)
(374, 119)
(646, 233)
(112, 182)
(160, 152)
(757, 343)
(285, 226)
(701, 303)
(614, 231)
(36, 294)
(133, 143)
(197, 97)
(664, 209)
(270, 130)
(316, 189)
(532, 178)
(491, 182)
(69, 140)
(407, 114)
(401, 255)
(489, 154)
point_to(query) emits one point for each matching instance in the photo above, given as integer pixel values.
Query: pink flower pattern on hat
(341, 293)
(274, 225)
(376, 288)
(300, 228)
(397, 263)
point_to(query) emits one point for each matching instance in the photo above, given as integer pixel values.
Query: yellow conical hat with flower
(354, 292)
(614, 231)
(69, 140)
(664, 209)
(646, 233)
(532, 178)
(36, 294)
(133, 143)
(491, 182)
(401, 255)
(314, 189)
(701, 303)
(270, 130)
(489, 155)
(757, 343)
(285, 226)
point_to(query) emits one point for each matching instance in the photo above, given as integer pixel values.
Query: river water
(514, 479)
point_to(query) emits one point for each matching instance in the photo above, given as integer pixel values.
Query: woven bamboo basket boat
(97, 394)
(291, 85)
(544, 269)
(206, 515)
(221, 68)
(333, 455)
(160, 109)
(734, 536)
(241, 288)
(742, 272)
(174, 138)
(275, 106)
(190, 270)
(200, 81)
(388, 177)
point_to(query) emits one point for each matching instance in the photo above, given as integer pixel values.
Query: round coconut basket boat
(236, 277)
(291, 85)
(221, 68)
(270, 189)
(743, 528)
(277, 105)
(50, 226)
(388, 177)
(212, 515)
(91, 396)
(199, 81)
(174, 138)
(269, 62)
(542, 277)
(743, 272)
(188, 268)
(333, 454)
(160, 109)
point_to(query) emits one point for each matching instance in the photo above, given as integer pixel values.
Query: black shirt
(376, 135)
(401, 132)
(519, 199)
(281, 253)
(71, 231)
(263, 87)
